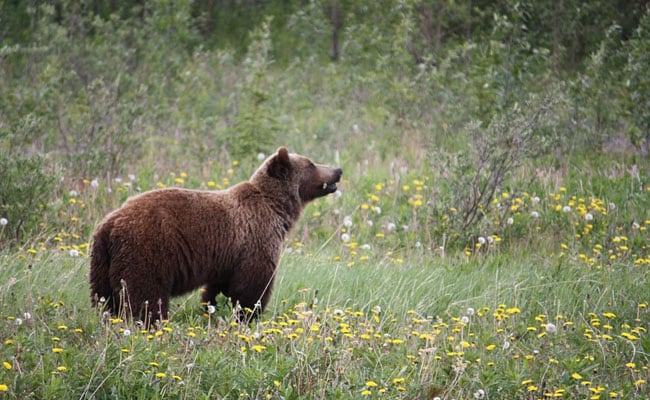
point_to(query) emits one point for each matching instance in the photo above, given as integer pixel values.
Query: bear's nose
(339, 173)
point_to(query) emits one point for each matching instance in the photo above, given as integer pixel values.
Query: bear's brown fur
(167, 242)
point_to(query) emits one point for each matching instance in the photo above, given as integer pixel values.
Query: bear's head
(294, 172)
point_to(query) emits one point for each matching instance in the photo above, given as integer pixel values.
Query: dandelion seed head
(74, 253)
(261, 156)
(464, 319)
(377, 210)
(510, 221)
(347, 221)
(550, 328)
(479, 394)
(534, 214)
(589, 217)
(73, 193)
(94, 183)
(3, 221)
(18, 321)
(211, 309)
(481, 240)
(536, 199)
(127, 332)
(345, 237)
(470, 311)
(566, 209)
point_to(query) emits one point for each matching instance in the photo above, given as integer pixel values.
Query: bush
(25, 190)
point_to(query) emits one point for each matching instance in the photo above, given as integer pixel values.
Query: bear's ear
(280, 164)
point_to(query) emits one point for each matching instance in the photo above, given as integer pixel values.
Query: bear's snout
(330, 184)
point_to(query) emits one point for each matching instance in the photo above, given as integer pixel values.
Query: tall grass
(366, 303)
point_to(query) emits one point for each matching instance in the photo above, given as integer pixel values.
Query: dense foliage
(100, 88)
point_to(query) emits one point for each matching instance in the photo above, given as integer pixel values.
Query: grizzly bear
(167, 242)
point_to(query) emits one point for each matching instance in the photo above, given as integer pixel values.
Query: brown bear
(167, 242)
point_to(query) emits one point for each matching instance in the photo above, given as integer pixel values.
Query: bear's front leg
(251, 290)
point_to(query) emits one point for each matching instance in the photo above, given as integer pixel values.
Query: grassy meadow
(490, 239)
(554, 304)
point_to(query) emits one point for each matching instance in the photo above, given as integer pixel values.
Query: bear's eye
(312, 166)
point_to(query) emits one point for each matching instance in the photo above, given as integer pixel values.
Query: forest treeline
(101, 88)
(571, 30)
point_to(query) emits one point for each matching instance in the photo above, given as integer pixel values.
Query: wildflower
(470, 311)
(3, 387)
(510, 221)
(576, 376)
(18, 321)
(259, 348)
(589, 217)
(481, 240)
(261, 156)
(6, 365)
(211, 309)
(127, 332)
(366, 392)
(506, 345)
(3, 221)
(74, 253)
(62, 368)
(57, 350)
(371, 384)
(550, 328)
(345, 237)
(534, 214)
(479, 394)
(566, 209)
(94, 183)
(390, 227)
(464, 319)
(161, 375)
(27, 315)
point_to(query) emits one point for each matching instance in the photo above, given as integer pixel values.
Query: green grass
(554, 307)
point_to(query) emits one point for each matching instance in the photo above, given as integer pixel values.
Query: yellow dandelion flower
(161, 375)
(576, 376)
(6, 365)
(3, 387)
(258, 348)
(366, 392)
(62, 368)
(371, 384)
(57, 350)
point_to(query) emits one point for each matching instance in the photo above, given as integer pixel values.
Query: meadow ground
(551, 302)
